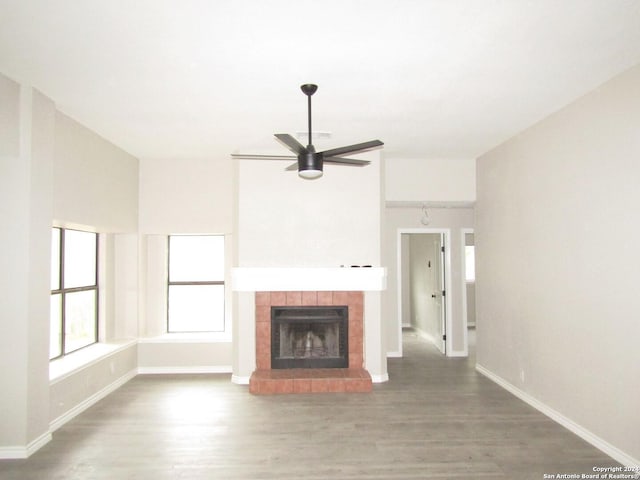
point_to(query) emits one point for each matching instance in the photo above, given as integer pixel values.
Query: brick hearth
(353, 379)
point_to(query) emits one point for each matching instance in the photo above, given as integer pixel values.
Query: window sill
(76, 361)
(188, 338)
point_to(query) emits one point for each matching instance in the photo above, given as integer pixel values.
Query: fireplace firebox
(309, 337)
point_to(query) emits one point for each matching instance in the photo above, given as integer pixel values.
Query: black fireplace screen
(309, 337)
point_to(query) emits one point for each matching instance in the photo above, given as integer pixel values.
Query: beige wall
(95, 187)
(26, 163)
(95, 182)
(9, 118)
(53, 171)
(70, 393)
(437, 182)
(557, 263)
(186, 196)
(194, 356)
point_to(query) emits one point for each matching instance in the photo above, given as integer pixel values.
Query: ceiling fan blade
(293, 166)
(291, 143)
(351, 149)
(346, 161)
(260, 156)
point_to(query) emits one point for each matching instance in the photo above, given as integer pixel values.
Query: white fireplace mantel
(274, 279)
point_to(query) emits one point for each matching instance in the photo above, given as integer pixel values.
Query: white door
(439, 293)
(426, 287)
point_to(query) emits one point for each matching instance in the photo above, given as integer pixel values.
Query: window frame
(62, 291)
(196, 283)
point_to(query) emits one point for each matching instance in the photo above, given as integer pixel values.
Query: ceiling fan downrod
(309, 89)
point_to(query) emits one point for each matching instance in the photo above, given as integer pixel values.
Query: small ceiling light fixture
(425, 220)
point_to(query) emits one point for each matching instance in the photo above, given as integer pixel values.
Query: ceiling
(205, 78)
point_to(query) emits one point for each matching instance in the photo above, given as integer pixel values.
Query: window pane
(55, 259)
(196, 308)
(195, 258)
(470, 263)
(79, 258)
(55, 320)
(80, 319)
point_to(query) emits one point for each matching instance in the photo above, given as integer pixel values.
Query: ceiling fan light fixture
(310, 174)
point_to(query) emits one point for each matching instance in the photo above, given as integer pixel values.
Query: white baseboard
(380, 378)
(38, 443)
(184, 370)
(457, 353)
(240, 380)
(7, 453)
(569, 424)
(90, 401)
(394, 355)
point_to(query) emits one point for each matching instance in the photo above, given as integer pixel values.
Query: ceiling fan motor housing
(310, 161)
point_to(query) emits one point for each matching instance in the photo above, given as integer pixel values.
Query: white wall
(430, 179)
(557, 262)
(287, 221)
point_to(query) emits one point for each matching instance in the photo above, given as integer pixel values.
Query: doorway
(469, 288)
(423, 279)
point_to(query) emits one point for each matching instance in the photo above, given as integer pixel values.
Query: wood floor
(435, 418)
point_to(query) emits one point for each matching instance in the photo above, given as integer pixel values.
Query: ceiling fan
(310, 162)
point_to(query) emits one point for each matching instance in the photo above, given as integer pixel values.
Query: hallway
(435, 418)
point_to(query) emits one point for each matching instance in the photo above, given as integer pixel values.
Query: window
(470, 263)
(196, 283)
(74, 291)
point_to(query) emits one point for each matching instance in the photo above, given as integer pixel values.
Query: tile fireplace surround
(264, 380)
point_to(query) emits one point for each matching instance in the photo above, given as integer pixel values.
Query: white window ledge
(76, 361)
(204, 337)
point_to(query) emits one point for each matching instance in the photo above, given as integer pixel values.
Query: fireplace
(315, 326)
(309, 337)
